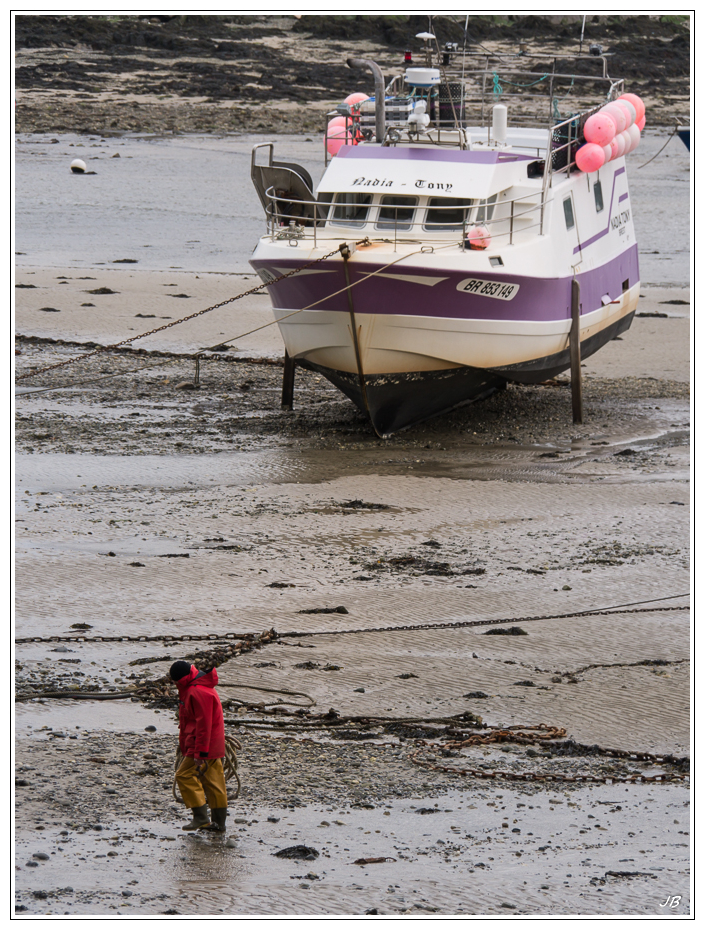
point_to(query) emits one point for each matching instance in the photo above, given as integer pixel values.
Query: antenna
(465, 45)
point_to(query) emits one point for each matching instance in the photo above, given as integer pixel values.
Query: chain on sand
(161, 693)
(521, 734)
(534, 735)
(214, 637)
(159, 329)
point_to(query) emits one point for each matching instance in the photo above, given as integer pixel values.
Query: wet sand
(142, 301)
(144, 506)
(500, 510)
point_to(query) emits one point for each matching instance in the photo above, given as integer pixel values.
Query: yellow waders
(209, 786)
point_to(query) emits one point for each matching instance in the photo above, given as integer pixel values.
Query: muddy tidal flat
(145, 507)
(458, 660)
(220, 74)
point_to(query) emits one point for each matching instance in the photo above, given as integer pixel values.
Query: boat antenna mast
(465, 45)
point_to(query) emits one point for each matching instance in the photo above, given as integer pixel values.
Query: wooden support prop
(354, 330)
(576, 384)
(288, 382)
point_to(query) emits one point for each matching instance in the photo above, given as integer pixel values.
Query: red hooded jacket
(201, 727)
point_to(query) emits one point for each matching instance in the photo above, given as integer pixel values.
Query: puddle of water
(71, 472)
(74, 717)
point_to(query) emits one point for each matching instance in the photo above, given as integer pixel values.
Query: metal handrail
(574, 122)
(283, 224)
(479, 86)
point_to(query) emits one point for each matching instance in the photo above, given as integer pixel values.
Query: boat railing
(296, 220)
(533, 95)
(566, 138)
(534, 88)
(470, 95)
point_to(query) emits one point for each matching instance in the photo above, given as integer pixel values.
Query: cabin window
(396, 211)
(351, 209)
(447, 212)
(486, 210)
(599, 202)
(568, 210)
(324, 201)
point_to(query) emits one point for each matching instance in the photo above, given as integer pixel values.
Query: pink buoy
(637, 103)
(479, 237)
(629, 109)
(641, 123)
(620, 144)
(607, 149)
(337, 135)
(590, 157)
(626, 140)
(358, 97)
(614, 145)
(635, 136)
(600, 128)
(618, 114)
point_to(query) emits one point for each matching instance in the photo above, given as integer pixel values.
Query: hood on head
(205, 679)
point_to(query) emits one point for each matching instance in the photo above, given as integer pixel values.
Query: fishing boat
(459, 233)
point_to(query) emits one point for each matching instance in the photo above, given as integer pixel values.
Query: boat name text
(421, 183)
(372, 182)
(433, 185)
(620, 221)
(500, 290)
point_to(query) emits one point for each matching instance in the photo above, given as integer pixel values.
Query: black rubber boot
(218, 815)
(200, 818)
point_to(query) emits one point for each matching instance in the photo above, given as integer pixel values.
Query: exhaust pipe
(379, 92)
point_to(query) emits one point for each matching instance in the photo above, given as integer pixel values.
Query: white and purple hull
(439, 328)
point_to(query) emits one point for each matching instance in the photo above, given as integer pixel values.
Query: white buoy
(499, 123)
(78, 166)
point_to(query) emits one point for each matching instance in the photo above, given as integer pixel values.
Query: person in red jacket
(200, 776)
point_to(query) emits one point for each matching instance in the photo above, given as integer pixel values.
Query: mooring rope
(222, 342)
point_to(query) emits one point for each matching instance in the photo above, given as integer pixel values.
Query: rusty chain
(541, 733)
(159, 329)
(458, 624)
(195, 637)
(517, 733)
(141, 638)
